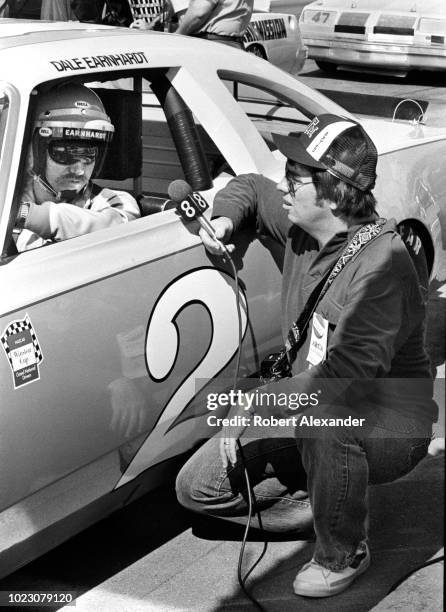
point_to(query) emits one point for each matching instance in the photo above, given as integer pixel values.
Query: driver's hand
(223, 228)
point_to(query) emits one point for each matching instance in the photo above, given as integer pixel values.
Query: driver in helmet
(71, 133)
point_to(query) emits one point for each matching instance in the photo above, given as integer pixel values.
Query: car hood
(391, 136)
(433, 6)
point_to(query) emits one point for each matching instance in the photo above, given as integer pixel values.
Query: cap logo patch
(81, 104)
(312, 127)
(324, 139)
(45, 132)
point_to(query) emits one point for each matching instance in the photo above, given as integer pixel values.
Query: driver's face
(73, 176)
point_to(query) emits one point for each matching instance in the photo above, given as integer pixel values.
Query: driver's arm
(57, 221)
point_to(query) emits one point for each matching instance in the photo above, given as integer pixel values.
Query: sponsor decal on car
(19, 341)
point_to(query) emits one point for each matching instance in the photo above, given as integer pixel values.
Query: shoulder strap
(296, 333)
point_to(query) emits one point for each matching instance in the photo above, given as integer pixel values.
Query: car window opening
(157, 139)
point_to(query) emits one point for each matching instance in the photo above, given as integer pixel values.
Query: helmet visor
(65, 154)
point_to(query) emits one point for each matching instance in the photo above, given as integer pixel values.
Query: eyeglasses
(295, 182)
(66, 154)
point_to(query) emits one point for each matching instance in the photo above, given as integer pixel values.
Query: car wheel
(256, 50)
(417, 252)
(326, 66)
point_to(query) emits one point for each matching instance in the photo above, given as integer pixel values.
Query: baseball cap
(336, 144)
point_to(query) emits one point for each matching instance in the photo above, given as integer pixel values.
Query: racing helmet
(70, 114)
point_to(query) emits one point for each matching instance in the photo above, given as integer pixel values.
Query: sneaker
(314, 580)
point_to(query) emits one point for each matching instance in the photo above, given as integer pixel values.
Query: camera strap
(296, 334)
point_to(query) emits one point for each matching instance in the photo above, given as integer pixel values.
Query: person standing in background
(112, 12)
(4, 8)
(223, 21)
(57, 10)
(12, 8)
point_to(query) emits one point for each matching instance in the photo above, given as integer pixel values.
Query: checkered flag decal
(15, 328)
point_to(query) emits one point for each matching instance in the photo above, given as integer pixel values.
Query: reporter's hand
(223, 227)
(228, 451)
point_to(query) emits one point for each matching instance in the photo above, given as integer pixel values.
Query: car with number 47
(391, 36)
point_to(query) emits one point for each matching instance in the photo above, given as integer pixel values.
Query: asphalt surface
(429, 86)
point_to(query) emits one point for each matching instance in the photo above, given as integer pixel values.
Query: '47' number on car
(320, 17)
(214, 290)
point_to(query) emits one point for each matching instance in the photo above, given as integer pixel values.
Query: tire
(417, 252)
(326, 66)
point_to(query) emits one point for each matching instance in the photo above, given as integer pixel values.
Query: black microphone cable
(191, 207)
(252, 502)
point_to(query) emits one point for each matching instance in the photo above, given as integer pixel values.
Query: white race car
(277, 38)
(108, 339)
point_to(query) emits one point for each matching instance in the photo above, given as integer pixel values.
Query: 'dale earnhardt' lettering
(100, 61)
(69, 64)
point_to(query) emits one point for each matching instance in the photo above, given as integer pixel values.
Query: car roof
(65, 50)
(53, 50)
(424, 7)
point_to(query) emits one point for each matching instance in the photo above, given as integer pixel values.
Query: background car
(276, 38)
(128, 328)
(394, 36)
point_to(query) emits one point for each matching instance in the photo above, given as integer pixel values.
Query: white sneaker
(314, 580)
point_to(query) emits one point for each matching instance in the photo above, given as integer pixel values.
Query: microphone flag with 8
(191, 205)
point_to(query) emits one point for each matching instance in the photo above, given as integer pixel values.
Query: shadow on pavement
(426, 78)
(106, 548)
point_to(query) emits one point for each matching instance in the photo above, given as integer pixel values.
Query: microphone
(191, 206)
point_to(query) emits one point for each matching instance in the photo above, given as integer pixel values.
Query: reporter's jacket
(374, 308)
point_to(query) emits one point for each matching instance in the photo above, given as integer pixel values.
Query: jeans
(313, 478)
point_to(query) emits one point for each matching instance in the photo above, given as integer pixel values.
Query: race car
(276, 37)
(111, 341)
(376, 35)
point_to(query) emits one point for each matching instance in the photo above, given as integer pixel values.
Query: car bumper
(384, 55)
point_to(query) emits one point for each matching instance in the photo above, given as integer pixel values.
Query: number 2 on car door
(213, 289)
